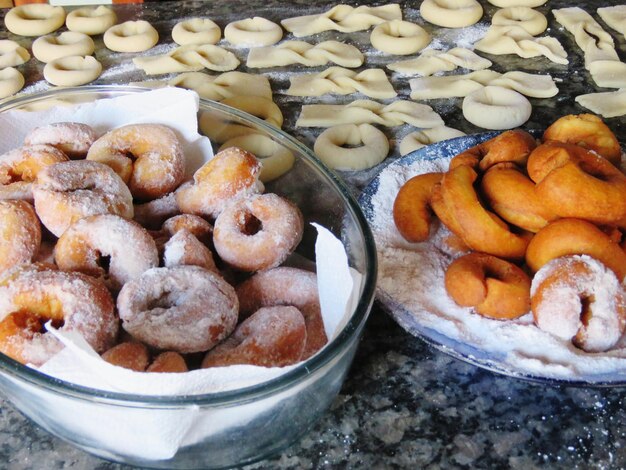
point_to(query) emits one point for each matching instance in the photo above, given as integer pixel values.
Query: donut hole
(249, 224)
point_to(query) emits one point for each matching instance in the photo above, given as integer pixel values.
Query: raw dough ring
(12, 54)
(90, 20)
(451, 13)
(255, 31)
(11, 81)
(258, 106)
(276, 160)
(48, 48)
(517, 3)
(373, 150)
(196, 31)
(34, 19)
(72, 70)
(399, 37)
(531, 21)
(494, 107)
(131, 36)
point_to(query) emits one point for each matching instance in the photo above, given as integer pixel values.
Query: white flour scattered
(411, 285)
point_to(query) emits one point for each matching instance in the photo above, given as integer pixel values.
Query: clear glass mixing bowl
(239, 426)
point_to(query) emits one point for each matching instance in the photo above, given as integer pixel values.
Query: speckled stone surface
(403, 405)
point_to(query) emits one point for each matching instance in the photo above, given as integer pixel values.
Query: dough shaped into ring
(532, 21)
(253, 32)
(517, 3)
(34, 19)
(399, 37)
(11, 81)
(90, 20)
(451, 13)
(196, 31)
(48, 48)
(373, 147)
(12, 54)
(497, 108)
(275, 159)
(131, 36)
(72, 70)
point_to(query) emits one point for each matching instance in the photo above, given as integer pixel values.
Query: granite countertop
(403, 404)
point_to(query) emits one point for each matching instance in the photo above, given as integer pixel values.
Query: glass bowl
(240, 426)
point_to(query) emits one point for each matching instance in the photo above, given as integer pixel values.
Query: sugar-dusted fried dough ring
(495, 288)
(107, 246)
(510, 146)
(286, 286)
(479, 228)
(575, 182)
(271, 337)
(586, 130)
(20, 233)
(575, 237)
(411, 208)
(578, 299)
(148, 157)
(35, 294)
(511, 194)
(72, 138)
(231, 174)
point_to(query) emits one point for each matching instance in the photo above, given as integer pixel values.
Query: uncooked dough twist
(368, 147)
(190, 58)
(371, 112)
(418, 139)
(12, 54)
(343, 18)
(337, 80)
(309, 55)
(615, 17)
(608, 104)
(432, 61)
(535, 86)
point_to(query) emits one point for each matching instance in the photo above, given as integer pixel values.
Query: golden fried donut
(271, 337)
(34, 295)
(20, 233)
(19, 168)
(411, 208)
(231, 174)
(286, 286)
(575, 237)
(494, 287)
(258, 232)
(184, 248)
(67, 191)
(107, 246)
(479, 228)
(576, 182)
(168, 361)
(184, 309)
(129, 355)
(578, 299)
(510, 146)
(512, 196)
(148, 157)
(197, 226)
(72, 138)
(586, 130)
(153, 213)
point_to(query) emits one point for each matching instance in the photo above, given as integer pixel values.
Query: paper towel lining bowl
(228, 428)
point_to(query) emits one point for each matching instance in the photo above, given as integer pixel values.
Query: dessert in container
(236, 426)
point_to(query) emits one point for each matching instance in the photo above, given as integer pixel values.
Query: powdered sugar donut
(286, 286)
(68, 43)
(231, 174)
(20, 233)
(32, 295)
(196, 31)
(185, 308)
(131, 36)
(272, 337)
(258, 232)
(187, 244)
(107, 246)
(91, 20)
(19, 168)
(72, 138)
(578, 299)
(497, 108)
(67, 191)
(148, 157)
(34, 19)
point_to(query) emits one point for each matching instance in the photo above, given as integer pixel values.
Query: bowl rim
(16, 370)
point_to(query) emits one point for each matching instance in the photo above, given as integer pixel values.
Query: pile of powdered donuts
(533, 226)
(101, 235)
